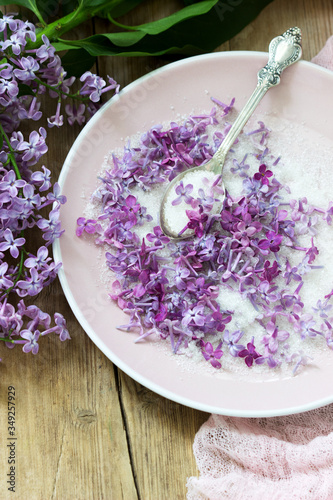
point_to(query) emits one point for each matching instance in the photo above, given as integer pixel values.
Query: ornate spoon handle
(284, 51)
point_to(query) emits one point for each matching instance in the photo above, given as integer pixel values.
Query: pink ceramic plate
(181, 88)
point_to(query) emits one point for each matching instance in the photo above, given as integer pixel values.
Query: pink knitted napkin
(325, 56)
(280, 458)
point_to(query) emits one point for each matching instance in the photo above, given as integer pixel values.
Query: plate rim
(89, 330)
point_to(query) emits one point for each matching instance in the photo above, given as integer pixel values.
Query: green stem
(60, 92)
(5, 339)
(11, 152)
(56, 29)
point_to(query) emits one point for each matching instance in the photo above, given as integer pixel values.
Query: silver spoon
(284, 51)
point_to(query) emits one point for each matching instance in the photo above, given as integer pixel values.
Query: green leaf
(183, 33)
(121, 9)
(156, 27)
(76, 62)
(29, 4)
(107, 8)
(25, 90)
(87, 4)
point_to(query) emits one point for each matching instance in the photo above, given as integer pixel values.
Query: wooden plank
(85, 429)
(313, 17)
(71, 439)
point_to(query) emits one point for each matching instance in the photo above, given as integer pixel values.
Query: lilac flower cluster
(171, 288)
(28, 199)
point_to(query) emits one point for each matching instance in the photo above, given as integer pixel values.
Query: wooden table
(85, 430)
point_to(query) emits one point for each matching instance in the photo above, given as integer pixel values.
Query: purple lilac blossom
(24, 190)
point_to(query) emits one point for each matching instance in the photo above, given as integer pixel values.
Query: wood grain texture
(85, 429)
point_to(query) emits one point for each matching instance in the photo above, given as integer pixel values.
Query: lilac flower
(197, 220)
(300, 207)
(300, 359)
(262, 132)
(55, 196)
(194, 315)
(210, 354)
(40, 260)
(226, 107)
(271, 341)
(51, 227)
(33, 312)
(249, 354)
(29, 66)
(305, 327)
(11, 184)
(42, 179)
(94, 86)
(180, 274)
(8, 21)
(158, 237)
(36, 146)
(231, 340)
(11, 243)
(307, 225)
(263, 175)
(267, 292)
(209, 251)
(9, 86)
(270, 272)
(271, 243)
(322, 308)
(31, 285)
(312, 252)
(85, 225)
(61, 327)
(118, 262)
(31, 199)
(240, 168)
(304, 266)
(75, 114)
(56, 120)
(16, 42)
(5, 282)
(291, 273)
(251, 186)
(183, 193)
(328, 214)
(204, 200)
(31, 345)
(45, 51)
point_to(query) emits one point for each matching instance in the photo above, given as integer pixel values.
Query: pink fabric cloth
(325, 56)
(280, 458)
